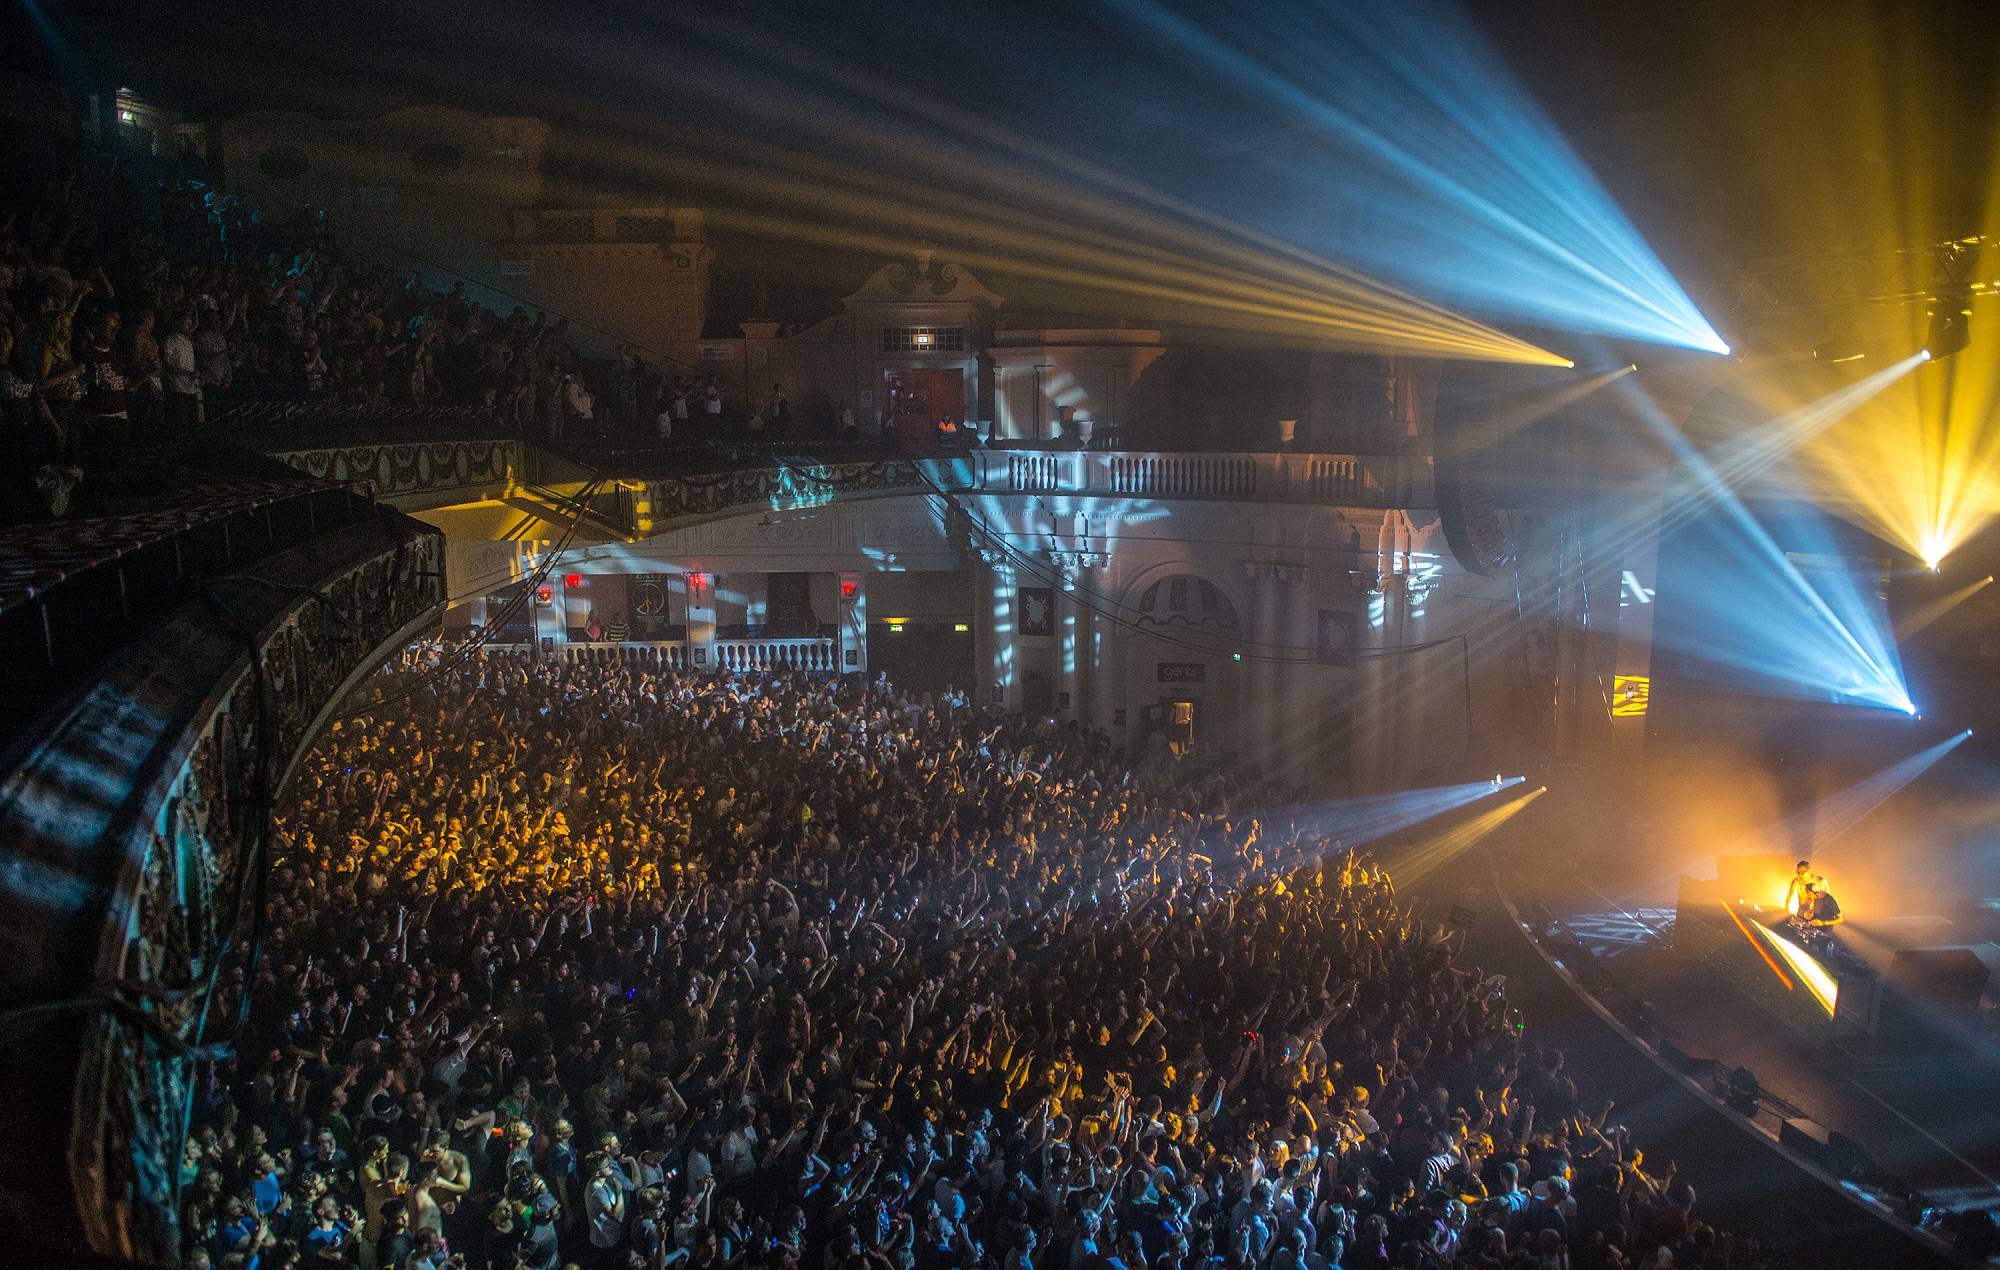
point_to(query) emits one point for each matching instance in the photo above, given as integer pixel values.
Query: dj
(1803, 880)
(1818, 908)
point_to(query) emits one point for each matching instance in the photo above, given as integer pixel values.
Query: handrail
(1394, 480)
(665, 486)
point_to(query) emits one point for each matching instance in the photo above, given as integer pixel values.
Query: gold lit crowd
(600, 964)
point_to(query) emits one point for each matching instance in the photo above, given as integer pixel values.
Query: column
(993, 631)
(1257, 714)
(1374, 720)
(1072, 621)
(1298, 691)
(852, 651)
(701, 622)
(1107, 680)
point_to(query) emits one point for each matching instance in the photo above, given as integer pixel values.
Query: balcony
(1350, 480)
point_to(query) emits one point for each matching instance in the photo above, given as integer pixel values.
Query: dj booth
(1903, 983)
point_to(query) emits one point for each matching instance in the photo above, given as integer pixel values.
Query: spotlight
(1951, 323)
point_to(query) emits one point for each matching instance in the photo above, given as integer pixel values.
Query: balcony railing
(776, 654)
(721, 656)
(1349, 479)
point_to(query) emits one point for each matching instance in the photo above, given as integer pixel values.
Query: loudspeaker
(1847, 1157)
(1808, 1139)
(1857, 1009)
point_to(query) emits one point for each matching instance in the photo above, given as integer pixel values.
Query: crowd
(137, 309)
(597, 964)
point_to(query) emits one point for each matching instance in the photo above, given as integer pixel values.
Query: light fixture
(1951, 322)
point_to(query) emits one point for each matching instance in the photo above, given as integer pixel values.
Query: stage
(1850, 1065)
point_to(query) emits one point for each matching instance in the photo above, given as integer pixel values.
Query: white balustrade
(1356, 480)
(775, 654)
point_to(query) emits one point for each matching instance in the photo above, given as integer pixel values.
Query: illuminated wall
(1043, 378)
(1339, 647)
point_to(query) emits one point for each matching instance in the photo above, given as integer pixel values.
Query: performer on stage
(1803, 880)
(1818, 908)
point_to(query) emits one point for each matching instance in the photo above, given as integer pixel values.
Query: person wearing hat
(539, 1247)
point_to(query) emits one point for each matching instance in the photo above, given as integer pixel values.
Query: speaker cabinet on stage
(1857, 1010)
(1808, 1139)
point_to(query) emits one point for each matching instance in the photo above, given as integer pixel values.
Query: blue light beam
(1365, 818)
(1752, 611)
(1410, 151)
(1840, 813)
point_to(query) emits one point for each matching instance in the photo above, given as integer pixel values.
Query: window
(923, 339)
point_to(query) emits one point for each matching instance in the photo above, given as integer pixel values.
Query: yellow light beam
(1441, 849)
(1030, 209)
(1512, 419)
(1931, 610)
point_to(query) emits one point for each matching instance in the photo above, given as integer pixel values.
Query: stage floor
(1931, 1120)
(1743, 1184)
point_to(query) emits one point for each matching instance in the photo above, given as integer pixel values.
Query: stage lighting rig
(1951, 323)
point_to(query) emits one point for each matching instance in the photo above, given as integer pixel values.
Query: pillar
(993, 633)
(1072, 626)
(701, 621)
(1297, 733)
(1374, 721)
(1257, 717)
(853, 624)
(1107, 680)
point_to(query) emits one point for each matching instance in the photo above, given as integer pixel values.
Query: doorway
(919, 398)
(1180, 718)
